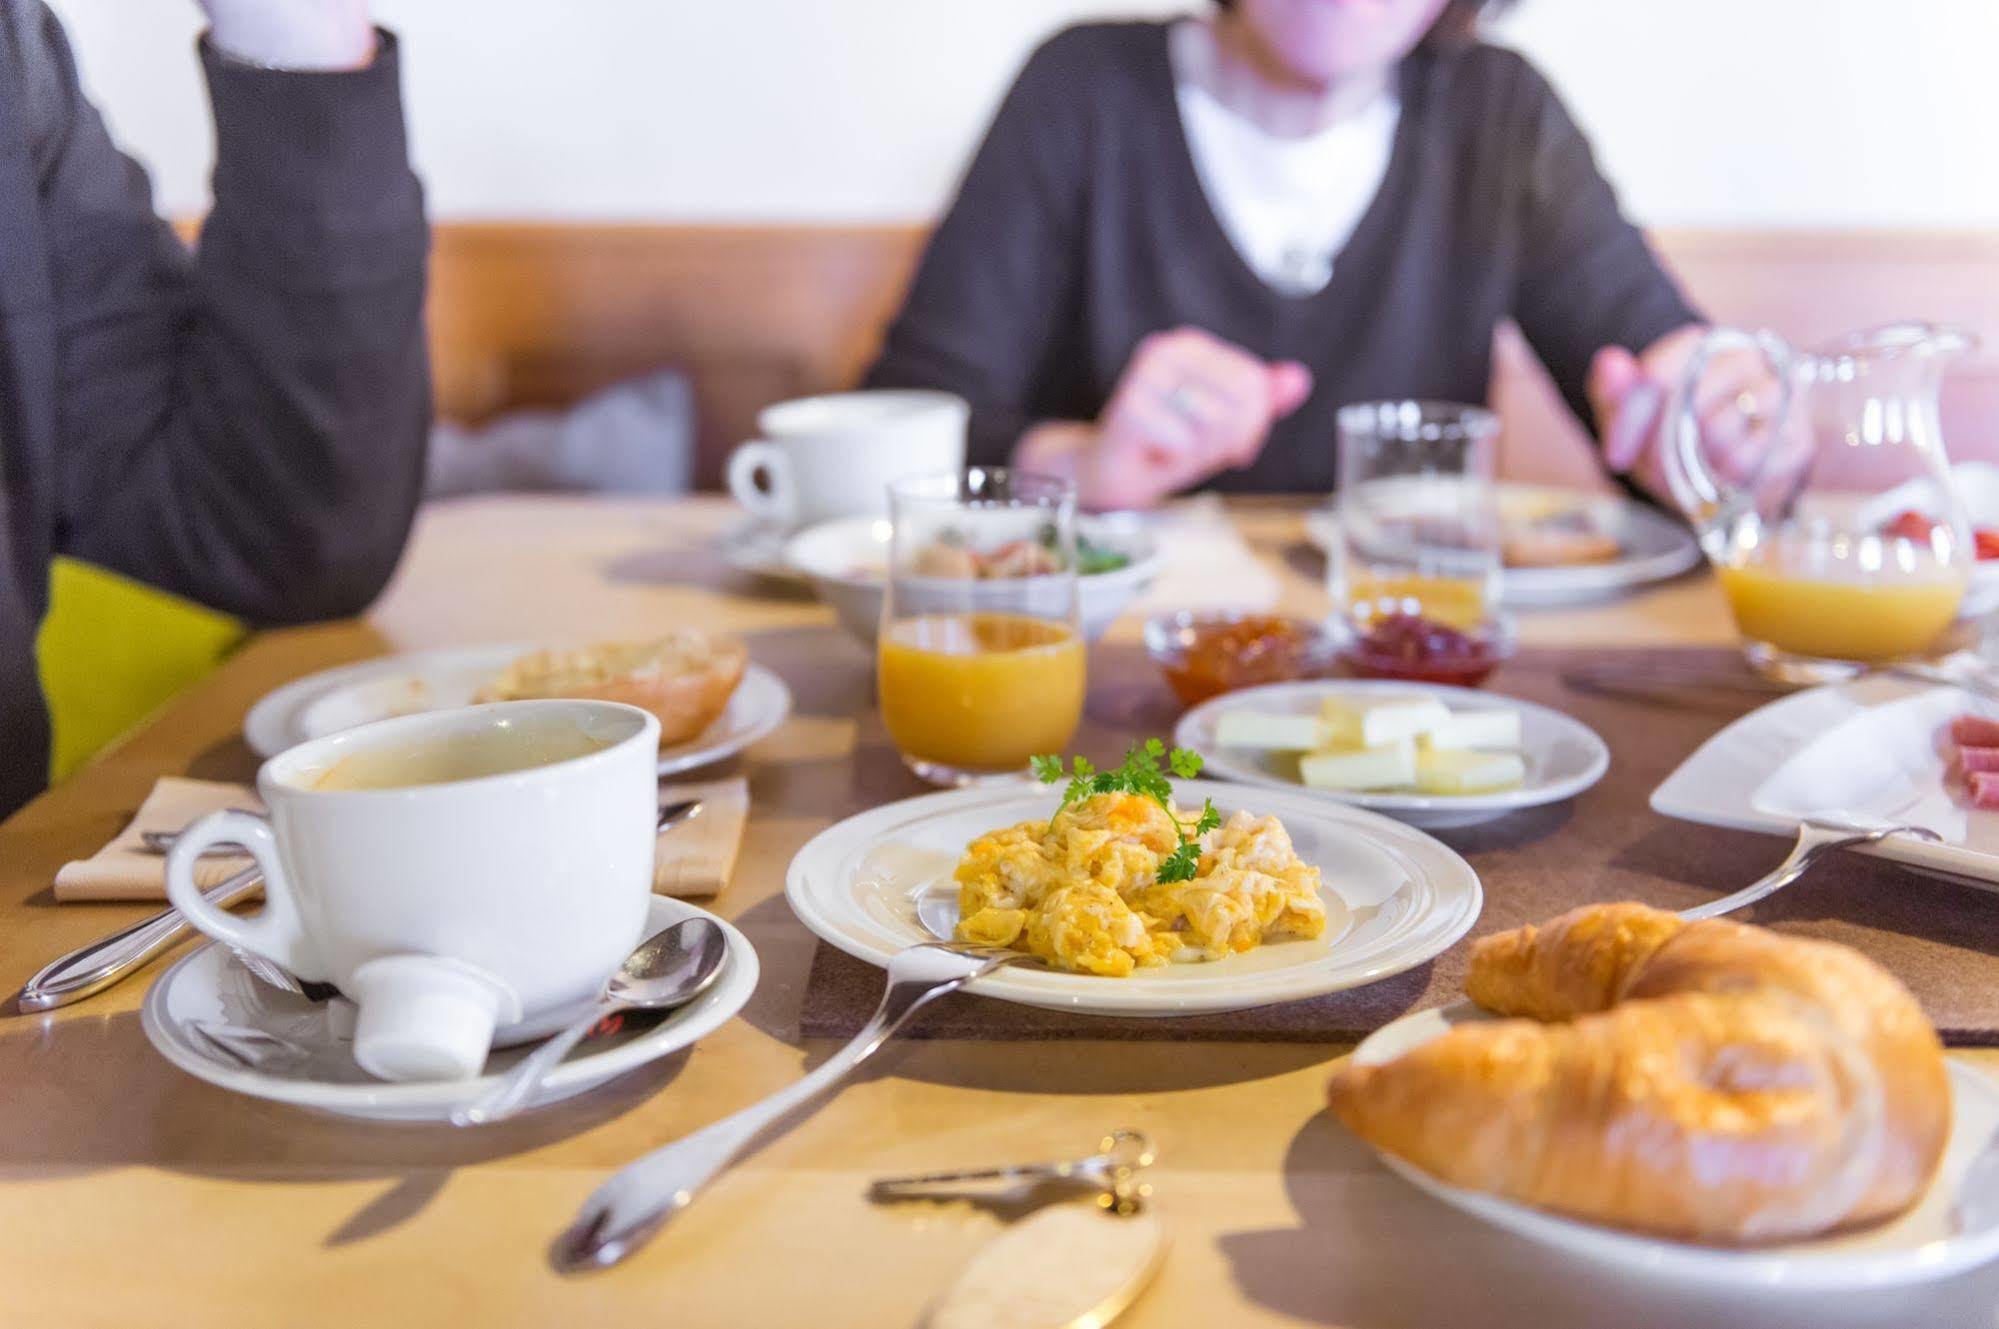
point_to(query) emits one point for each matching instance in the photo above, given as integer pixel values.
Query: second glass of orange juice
(980, 662)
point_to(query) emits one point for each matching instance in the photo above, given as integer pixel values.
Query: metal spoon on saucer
(670, 968)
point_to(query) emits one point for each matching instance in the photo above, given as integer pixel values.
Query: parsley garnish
(1139, 775)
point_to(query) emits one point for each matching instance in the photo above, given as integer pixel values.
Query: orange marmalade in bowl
(1206, 653)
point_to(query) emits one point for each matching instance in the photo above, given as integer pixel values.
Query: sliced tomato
(1986, 541)
(1910, 525)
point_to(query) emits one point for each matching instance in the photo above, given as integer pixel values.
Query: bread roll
(684, 678)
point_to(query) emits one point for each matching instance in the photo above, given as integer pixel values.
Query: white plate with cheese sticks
(1432, 756)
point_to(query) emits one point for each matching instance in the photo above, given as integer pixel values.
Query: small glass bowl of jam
(1415, 649)
(1204, 653)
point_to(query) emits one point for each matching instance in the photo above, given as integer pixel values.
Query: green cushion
(112, 650)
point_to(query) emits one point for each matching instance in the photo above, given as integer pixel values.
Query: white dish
(880, 881)
(1977, 485)
(1953, 1228)
(756, 547)
(210, 985)
(338, 699)
(846, 562)
(1563, 756)
(1656, 548)
(1866, 753)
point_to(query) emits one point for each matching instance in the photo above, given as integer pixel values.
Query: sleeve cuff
(330, 143)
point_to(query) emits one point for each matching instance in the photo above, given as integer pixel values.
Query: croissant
(1703, 1081)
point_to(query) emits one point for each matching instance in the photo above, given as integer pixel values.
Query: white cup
(835, 456)
(510, 888)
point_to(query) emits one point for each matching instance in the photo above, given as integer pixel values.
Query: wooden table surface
(132, 1193)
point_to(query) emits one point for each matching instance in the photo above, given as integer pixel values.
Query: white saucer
(337, 699)
(881, 881)
(210, 985)
(757, 548)
(1564, 756)
(1953, 1228)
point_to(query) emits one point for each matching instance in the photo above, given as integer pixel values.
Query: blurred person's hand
(1188, 406)
(293, 34)
(1735, 401)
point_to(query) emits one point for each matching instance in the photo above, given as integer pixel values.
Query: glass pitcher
(1819, 488)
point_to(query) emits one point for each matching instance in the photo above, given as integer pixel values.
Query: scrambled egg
(1083, 892)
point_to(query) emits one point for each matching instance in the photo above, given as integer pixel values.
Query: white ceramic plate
(861, 884)
(1563, 756)
(846, 561)
(1656, 548)
(757, 548)
(341, 698)
(1952, 1228)
(1869, 753)
(210, 985)
(1977, 485)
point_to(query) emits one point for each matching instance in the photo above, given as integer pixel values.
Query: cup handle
(774, 500)
(278, 932)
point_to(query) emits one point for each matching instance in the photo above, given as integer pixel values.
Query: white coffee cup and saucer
(823, 458)
(463, 877)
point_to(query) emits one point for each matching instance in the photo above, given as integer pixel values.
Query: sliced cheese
(1456, 771)
(1390, 766)
(1493, 730)
(1376, 724)
(1270, 733)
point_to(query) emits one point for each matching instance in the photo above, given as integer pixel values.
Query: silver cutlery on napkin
(90, 969)
(103, 963)
(1816, 838)
(629, 1209)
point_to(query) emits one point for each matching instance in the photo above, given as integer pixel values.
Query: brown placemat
(1939, 938)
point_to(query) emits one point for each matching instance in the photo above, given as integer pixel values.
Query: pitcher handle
(1697, 490)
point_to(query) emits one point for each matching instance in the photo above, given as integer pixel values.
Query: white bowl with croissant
(847, 563)
(1707, 1099)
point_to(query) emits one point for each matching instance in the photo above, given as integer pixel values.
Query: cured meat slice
(1974, 731)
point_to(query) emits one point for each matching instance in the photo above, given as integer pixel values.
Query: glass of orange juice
(1414, 573)
(980, 660)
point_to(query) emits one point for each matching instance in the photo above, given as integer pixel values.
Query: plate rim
(1533, 588)
(413, 1101)
(279, 710)
(1691, 1261)
(1671, 797)
(1123, 1000)
(1511, 800)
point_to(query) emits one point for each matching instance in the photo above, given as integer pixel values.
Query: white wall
(1707, 112)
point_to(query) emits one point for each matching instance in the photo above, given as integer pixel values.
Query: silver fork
(1815, 840)
(629, 1209)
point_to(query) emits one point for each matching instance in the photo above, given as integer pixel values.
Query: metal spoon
(670, 968)
(1816, 838)
(631, 1207)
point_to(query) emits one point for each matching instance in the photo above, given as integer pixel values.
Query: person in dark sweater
(1183, 246)
(244, 425)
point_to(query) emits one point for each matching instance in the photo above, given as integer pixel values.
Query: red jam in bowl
(1420, 650)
